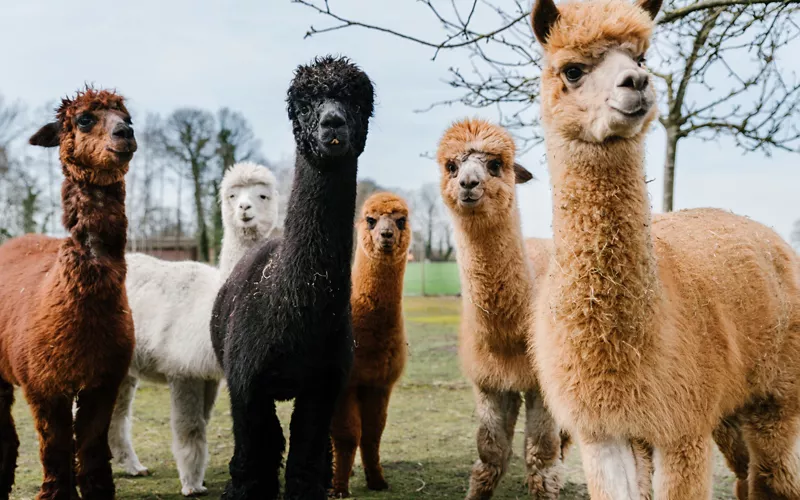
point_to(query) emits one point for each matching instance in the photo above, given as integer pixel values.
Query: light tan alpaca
(653, 331)
(478, 177)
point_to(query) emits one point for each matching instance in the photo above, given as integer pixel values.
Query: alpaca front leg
(92, 421)
(53, 420)
(730, 439)
(189, 446)
(308, 467)
(374, 404)
(497, 413)
(258, 448)
(346, 434)
(542, 449)
(610, 468)
(9, 441)
(772, 437)
(119, 434)
(683, 469)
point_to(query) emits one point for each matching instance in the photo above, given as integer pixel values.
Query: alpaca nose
(468, 183)
(387, 233)
(332, 118)
(633, 79)
(245, 205)
(123, 131)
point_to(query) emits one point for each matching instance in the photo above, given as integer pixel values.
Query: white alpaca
(171, 304)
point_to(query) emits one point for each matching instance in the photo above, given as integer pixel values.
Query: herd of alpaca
(645, 339)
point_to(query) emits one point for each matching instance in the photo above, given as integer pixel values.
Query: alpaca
(653, 331)
(171, 304)
(384, 235)
(281, 325)
(66, 333)
(478, 179)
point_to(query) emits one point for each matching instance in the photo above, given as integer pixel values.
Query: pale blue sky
(167, 54)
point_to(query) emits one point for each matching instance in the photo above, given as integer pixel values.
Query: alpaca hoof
(136, 470)
(194, 491)
(377, 484)
(339, 493)
(544, 484)
(740, 489)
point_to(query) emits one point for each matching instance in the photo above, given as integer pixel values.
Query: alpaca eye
(573, 73)
(641, 60)
(85, 121)
(263, 197)
(304, 109)
(231, 196)
(452, 167)
(401, 223)
(371, 222)
(494, 167)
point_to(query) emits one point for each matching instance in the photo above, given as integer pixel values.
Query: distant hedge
(441, 278)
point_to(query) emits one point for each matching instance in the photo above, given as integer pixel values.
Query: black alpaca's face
(330, 103)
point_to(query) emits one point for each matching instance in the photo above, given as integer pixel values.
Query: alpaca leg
(610, 469)
(374, 404)
(346, 434)
(730, 439)
(772, 435)
(9, 442)
(53, 421)
(542, 449)
(306, 474)
(189, 446)
(683, 469)
(92, 421)
(643, 456)
(497, 414)
(119, 434)
(211, 389)
(258, 449)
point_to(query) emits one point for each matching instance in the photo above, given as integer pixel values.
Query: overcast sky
(171, 53)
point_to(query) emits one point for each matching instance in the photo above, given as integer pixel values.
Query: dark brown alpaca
(380, 341)
(66, 332)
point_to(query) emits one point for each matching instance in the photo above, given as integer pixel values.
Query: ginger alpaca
(660, 331)
(171, 304)
(380, 340)
(66, 332)
(478, 178)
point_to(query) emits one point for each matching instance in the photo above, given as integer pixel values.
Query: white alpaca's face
(251, 207)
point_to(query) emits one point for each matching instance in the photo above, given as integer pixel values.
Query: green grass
(441, 278)
(428, 448)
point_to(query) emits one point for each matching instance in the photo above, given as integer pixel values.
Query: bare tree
(431, 223)
(187, 136)
(720, 63)
(796, 234)
(12, 124)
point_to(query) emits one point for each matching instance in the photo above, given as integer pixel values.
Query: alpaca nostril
(634, 80)
(123, 131)
(387, 234)
(468, 183)
(245, 206)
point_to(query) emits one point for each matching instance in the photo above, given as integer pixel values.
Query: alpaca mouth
(246, 218)
(470, 200)
(334, 141)
(122, 155)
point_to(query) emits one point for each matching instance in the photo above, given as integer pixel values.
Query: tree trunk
(202, 230)
(669, 169)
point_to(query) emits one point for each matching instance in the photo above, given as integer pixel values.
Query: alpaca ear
(521, 174)
(650, 6)
(544, 16)
(47, 136)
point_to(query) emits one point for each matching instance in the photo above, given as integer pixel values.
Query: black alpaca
(281, 326)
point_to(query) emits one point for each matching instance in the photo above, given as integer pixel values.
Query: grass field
(431, 279)
(428, 447)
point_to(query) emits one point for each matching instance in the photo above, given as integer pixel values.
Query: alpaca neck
(95, 217)
(236, 242)
(605, 279)
(497, 282)
(380, 279)
(318, 231)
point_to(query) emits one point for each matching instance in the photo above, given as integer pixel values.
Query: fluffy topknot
(589, 28)
(246, 173)
(88, 99)
(475, 134)
(385, 204)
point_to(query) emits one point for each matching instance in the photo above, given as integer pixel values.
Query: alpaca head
(249, 197)
(594, 84)
(383, 229)
(95, 136)
(476, 159)
(330, 103)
